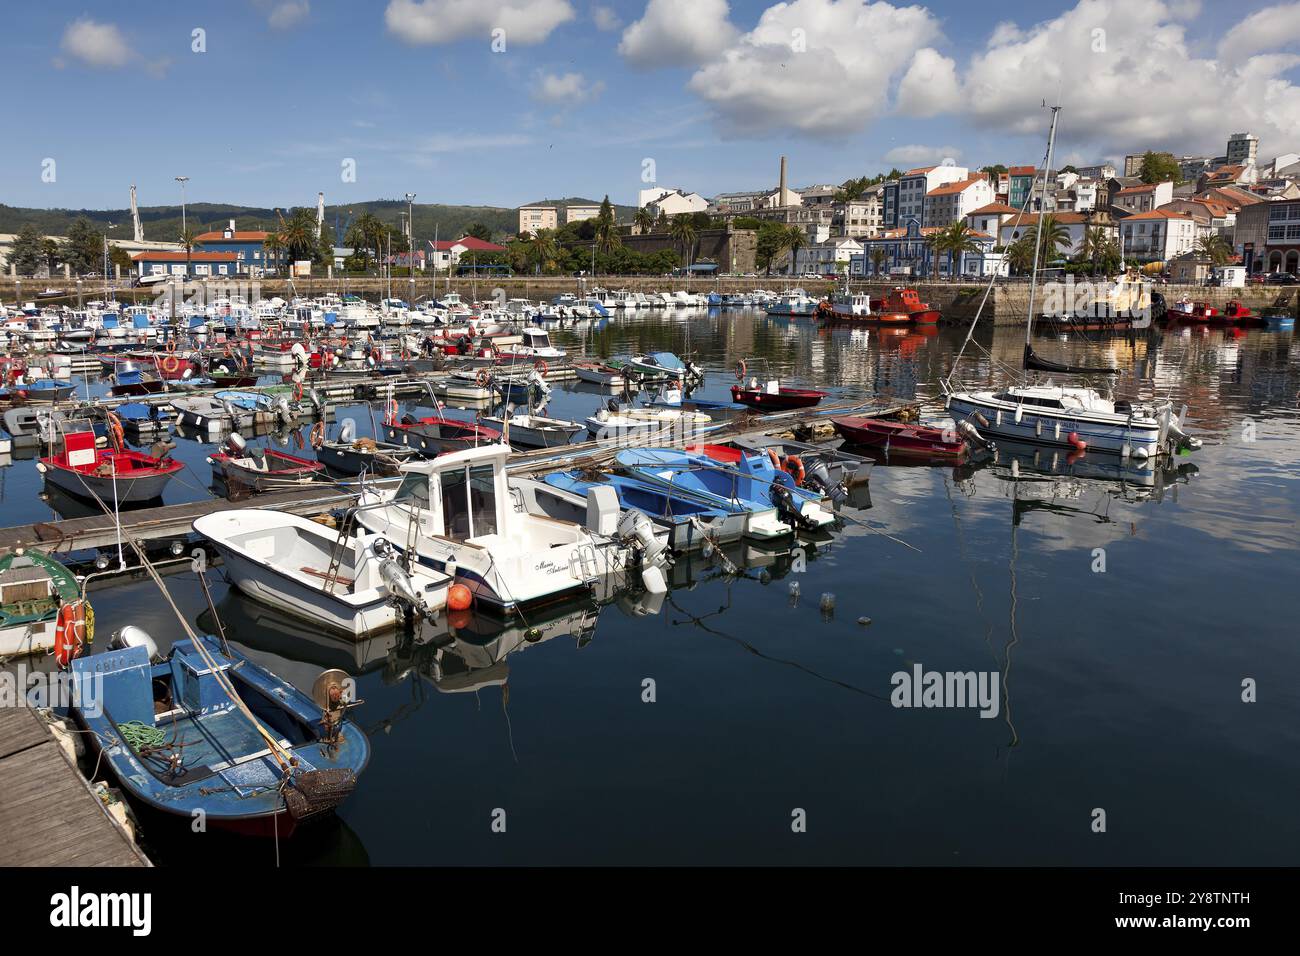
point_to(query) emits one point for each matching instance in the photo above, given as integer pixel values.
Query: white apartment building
(828, 257)
(953, 201)
(1137, 199)
(670, 202)
(579, 213)
(916, 184)
(1159, 235)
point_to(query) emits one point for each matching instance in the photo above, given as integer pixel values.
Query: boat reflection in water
(1034, 467)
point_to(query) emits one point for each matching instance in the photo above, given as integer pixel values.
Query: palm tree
(189, 239)
(955, 240)
(682, 229)
(273, 245)
(878, 257)
(606, 235)
(1215, 248)
(1055, 237)
(792, 241)
(298, 234)
(1090, 250)
(644, 220)
(1020, 254)
(544, 250)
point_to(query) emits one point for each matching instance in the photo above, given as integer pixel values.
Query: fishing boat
(600, 373)
(207, 731)
(141, 420)
(534, 431)
(1234, 313)
(45, 390)
(688, 523)
(796, 302)
(41, 606)
(261, 469)
(1065, 416)
(775, 503)
(900, 438)
(435, 435)
(456, 513)
(346, 454)
(352, 584)
(116, 475)
(775, 397)
(132, 381)
(627, 423)
(662, 366)
(898, 306)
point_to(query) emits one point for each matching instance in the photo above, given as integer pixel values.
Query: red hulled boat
(778, 399)
(900, 438)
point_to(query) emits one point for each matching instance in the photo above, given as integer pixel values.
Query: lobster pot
(21, 585)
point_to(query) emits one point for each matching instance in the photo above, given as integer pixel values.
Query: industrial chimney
(783, 194)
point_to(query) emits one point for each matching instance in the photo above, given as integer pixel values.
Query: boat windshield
(469, 504)
(414, 491)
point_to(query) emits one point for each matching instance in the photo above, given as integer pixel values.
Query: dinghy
(350, 583)
(900, 438)
(349, 455)
(527, 430)
(208, 731)
(775, 397)
(645, 424)
(46, 390)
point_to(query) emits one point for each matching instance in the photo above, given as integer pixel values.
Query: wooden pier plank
(48, 814)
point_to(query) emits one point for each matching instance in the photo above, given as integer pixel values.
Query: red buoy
(459, 597)
(1078, 443)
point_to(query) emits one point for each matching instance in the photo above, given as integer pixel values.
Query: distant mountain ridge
(163, 223)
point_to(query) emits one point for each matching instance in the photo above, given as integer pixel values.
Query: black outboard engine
(818, 478)
(786, 508)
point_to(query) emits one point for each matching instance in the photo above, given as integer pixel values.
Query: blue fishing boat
(690, 523)
(47, 390)
(206, 730)
(777, 505)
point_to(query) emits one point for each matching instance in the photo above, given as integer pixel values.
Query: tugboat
(900, 306)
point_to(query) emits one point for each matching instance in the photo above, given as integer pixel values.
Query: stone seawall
(958, 301)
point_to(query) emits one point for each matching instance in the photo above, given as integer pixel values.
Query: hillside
(163, 223)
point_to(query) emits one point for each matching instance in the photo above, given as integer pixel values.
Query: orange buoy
(459, 597)
(1078, 443)
(460, 619)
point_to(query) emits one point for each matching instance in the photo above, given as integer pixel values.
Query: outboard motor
(347, 431)
(132, 636)
(395, 576)
(235, 444)
(818, 478)
(971, 434)
(634, 525)
(785, 505)
(283, 413)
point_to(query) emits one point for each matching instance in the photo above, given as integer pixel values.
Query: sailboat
(1060, 415)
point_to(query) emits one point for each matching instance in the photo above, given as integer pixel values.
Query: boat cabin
(461, 496)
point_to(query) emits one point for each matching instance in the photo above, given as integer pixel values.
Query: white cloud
(1266, 29)
(817, 66)
(525, 22)
(605, 18)
(561, 89)
(917, 155)
(678, 33)
(930, 85)
(287, 14)
(1140, 88)
(97, 44)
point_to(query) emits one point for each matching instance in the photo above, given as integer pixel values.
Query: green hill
(163, 223)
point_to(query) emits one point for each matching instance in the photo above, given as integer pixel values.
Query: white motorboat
(534, 431)
(535, 344)
(647, 424)
(350, 583)
(455, 511)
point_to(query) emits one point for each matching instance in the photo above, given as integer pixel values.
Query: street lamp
(184, 238)
(410, 244)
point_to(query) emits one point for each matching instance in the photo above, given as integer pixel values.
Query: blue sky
(711, 92)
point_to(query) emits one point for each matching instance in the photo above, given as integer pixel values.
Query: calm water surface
(1121, 690)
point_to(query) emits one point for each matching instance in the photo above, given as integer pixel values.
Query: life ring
(297, 391)
(318, 434)
(171, 364)
(69, 633)
(740, 370)
(793, 466)
(541, 367)
(228, 353)
(482, 378)
(406, 354)
(390, 411)
(775, 459)
(115, 429)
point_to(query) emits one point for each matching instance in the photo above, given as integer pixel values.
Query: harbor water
(1123, 610)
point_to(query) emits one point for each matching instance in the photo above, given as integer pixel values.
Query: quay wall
(957, 300)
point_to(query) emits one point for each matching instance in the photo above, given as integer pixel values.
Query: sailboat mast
(1038, 237)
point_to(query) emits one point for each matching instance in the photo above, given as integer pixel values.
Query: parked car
(1282, 278)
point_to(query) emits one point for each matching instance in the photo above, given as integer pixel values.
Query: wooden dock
(49, 816)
